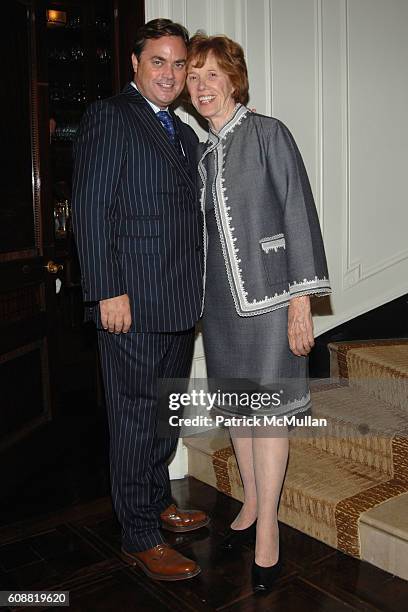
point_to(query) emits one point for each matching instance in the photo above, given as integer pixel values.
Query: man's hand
(115, 314)
(300, 326)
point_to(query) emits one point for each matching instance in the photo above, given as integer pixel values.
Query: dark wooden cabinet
(83, 56)
(48, 360)
(78, 62)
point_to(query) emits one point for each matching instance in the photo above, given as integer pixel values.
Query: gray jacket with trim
(266, 216)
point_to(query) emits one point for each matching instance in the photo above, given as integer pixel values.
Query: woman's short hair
(156, 28)
(230, 58)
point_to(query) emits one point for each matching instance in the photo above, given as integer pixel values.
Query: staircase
(347, 483)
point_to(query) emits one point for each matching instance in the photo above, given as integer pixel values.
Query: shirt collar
(155, 108)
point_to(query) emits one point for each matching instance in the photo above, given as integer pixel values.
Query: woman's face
(211, 92)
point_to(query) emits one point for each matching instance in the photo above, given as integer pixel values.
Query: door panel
(27, 290)
(17, 227)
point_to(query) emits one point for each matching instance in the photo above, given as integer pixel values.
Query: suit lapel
(155, 132)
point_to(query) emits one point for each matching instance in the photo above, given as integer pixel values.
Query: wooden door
(30, 276)
(50, 392)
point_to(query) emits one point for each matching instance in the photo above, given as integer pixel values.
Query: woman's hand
(300, 326)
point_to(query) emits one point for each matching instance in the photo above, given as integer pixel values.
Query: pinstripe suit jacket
(135, 214)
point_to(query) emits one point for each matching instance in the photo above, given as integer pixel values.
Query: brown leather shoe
(163, 563)
(174, 519)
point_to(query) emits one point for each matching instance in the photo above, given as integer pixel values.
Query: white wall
(335, 71)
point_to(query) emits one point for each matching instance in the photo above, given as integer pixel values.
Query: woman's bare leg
(270, 455)
(242, 440)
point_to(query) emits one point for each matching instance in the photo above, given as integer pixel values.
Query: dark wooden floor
(77, 549)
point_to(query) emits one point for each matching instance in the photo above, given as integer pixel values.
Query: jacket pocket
(273, 249)
(138, 235)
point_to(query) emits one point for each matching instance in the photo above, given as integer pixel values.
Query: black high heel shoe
(263, 578)
(239, 537)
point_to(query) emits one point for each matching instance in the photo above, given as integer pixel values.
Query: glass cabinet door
(17, 205)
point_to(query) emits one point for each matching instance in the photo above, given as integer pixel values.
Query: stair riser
(344, 443)
(384, 389)
(384, 383)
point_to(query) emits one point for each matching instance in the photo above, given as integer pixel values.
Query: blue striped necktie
(167, 122)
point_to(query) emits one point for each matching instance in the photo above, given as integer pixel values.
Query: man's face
(160, 72)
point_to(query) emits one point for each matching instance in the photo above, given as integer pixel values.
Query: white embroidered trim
(273, 243)
(315, 285)
(293, 407)
(296, 405)
(205, 245)
(271, 237)
(320, 292)
(239, 113)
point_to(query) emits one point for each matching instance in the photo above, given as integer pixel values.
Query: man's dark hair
(156, 28)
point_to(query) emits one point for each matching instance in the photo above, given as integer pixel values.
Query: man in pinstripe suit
(138, 230)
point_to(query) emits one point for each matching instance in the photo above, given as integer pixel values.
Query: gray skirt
(254, 349)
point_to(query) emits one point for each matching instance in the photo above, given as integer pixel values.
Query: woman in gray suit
(264, 258)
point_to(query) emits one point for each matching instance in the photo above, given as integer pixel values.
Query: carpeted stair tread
(358, 407)
(382, 369)
(339, 351)
(392, 359)
(325, 477)
(359, 427)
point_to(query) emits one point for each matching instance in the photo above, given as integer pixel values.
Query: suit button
(199, 247)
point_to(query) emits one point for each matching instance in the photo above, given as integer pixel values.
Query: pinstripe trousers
(131, 366)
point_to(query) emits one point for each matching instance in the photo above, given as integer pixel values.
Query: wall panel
(378, 133)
